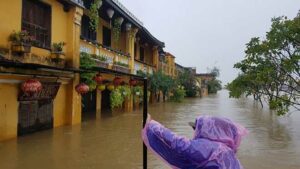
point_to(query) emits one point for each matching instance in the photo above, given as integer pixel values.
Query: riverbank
(114, 142)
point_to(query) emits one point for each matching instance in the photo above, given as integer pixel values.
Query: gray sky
(212, 32)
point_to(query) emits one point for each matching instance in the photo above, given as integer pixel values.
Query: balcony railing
(144, 67)
(112, 56)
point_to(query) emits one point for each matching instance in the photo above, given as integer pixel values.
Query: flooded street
(114, 142)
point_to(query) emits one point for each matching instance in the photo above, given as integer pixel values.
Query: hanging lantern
(82, 88)
(128, 26)
(132, 82)
(98, 79)
(101, 87)
(123, 83)
(120, 20)
(31, 86)
(110, 12)
(110, 87)
(117, 81)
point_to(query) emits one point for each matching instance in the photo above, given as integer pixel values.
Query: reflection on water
(114, 142)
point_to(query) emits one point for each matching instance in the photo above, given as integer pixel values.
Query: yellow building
(203, 79)
(54, 21)
(167, 64)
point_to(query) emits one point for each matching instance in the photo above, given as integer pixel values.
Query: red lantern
(98, 79)
(31, 86)
(117, 81)
(82, 88)
(132, 82)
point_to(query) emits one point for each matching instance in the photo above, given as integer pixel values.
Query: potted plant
(116, 99)
(57, 54)
(125, 91)
(21, 41)
(100, 60)
(121, 67)
(110, 87)
(137, 90)
(101, 87)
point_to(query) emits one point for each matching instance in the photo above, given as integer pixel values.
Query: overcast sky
(207, 33)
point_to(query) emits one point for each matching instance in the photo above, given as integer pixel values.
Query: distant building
(204, 78)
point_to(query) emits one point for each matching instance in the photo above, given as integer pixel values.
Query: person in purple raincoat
(214, 145)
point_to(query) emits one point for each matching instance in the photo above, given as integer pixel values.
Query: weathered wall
(8, 110)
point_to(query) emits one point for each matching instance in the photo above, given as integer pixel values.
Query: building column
(137, 49)
(98, 103)
(72, 56)
(155, 57)
(130, 36)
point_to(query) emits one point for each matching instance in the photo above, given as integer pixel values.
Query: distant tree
(159, 82)
(214, 85)
(188, 80)
(271, 70)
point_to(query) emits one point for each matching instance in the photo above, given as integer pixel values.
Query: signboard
(48, 92)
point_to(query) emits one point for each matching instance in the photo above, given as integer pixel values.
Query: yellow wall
(10, 19)
(60, 107)
(8, 111)
(65, 27)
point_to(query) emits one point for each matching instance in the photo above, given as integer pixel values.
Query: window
(142, 54)
(106, 36)
(36, 19)
(86, 32)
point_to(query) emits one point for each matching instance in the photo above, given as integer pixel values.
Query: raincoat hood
(220, 130)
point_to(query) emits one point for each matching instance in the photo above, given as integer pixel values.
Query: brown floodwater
(114, 142)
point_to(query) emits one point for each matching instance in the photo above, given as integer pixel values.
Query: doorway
(35, 116)
(89, 105)
(105, 102)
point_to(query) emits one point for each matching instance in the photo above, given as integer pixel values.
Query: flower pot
(82, 88)
(58, 58)
(110, 87)
(117, 81)
(21, 48)
(132, 82)
(98, 79)
(101, 87)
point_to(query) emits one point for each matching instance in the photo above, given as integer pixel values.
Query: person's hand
(148, 118)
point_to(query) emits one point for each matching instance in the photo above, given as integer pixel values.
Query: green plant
(161, 82)
(99, 57)
(125, 91)
(188, 80)
(86, 62)
(58, 47)
(270, 69)
(20, 37)
(116, 98)
(94, 13)
(141, 73)
(122, 64)
(116, 30)
(137, 90)
(178, 94)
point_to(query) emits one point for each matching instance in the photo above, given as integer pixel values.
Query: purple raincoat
(214, 145)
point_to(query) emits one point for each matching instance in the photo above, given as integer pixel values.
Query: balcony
(144, 67)
(114, 59)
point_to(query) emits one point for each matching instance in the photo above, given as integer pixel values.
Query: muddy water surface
(113, 142)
